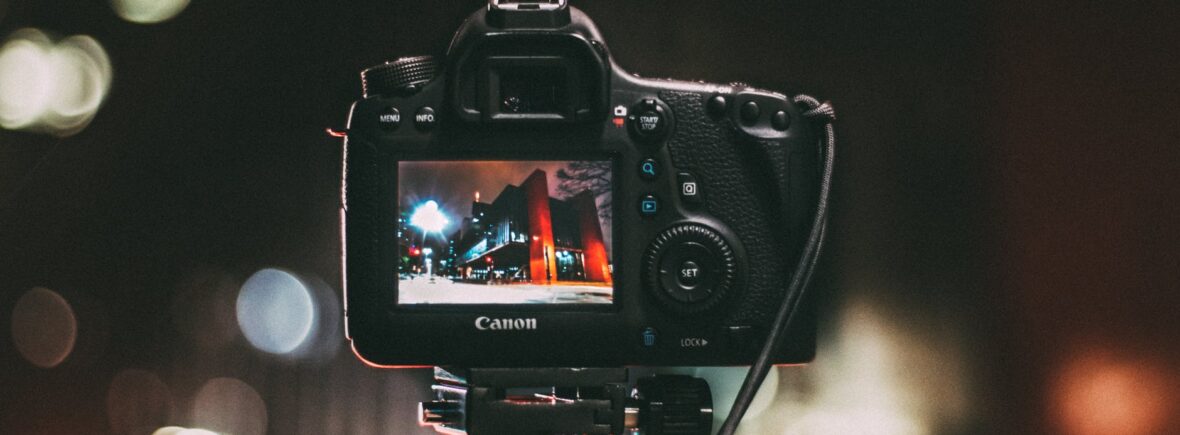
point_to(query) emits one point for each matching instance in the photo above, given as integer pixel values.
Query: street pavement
(445, 291)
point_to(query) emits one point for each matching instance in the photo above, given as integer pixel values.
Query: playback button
(649, 205)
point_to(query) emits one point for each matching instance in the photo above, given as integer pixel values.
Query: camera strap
(819, 113)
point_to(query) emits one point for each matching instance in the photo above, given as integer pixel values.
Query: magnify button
(648, 170)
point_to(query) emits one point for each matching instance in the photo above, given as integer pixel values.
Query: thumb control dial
(689, 267)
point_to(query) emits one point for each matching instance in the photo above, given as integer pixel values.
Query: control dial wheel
(402, 76)
(689, 267)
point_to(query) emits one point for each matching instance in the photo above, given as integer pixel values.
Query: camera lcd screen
(504, 232)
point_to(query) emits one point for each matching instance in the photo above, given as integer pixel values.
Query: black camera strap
(819, 113)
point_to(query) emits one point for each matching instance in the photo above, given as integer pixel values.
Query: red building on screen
(524, 235)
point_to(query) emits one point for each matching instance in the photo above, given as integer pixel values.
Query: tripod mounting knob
(674, 405)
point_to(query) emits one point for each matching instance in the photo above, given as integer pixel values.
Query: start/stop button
(649, 121)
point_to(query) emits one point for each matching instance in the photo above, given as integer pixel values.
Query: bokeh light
(429, 218)
(148, 11)
(1101, 392)
(137, 401)
(203, 308)
(26, 79)
(197, 432)
(876, 373)
(84, 78)
(275, 311)
(51, 87)
(44, 327)
(724, 382)
(326, 337)
(228, 405)
(860, 421)
(177, 430)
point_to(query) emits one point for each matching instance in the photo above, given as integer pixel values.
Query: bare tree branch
(592, 176)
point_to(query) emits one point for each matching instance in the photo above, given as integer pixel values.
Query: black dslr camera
(525, 202)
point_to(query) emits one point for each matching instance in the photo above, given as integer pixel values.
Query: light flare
(148, 11)
(275, 311)
(228, 405)
(429, 218)
(52, 87)
(44, 327)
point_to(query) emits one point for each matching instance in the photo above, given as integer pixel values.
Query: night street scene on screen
(504, 232)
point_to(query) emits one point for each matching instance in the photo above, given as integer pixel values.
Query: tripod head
(593, 401)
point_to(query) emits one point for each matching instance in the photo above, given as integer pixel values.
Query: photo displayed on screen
(504, 232)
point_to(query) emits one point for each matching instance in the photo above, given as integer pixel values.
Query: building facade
(524, 235)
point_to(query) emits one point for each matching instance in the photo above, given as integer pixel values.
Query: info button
(424, 119)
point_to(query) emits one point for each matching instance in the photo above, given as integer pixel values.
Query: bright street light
(429, 218)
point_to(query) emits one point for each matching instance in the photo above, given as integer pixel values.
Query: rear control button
(649, 121)
(649, 205)
(750, 112)
(390, 118)
(780, 120)
(716, 106)
(649, 337)
(738, 338)
(690, 191)
(689, 274)
(424, 119)
(649, 169)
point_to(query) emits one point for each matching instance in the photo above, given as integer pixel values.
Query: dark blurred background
(1003, 258)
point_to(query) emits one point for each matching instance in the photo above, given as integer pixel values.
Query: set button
(689, 274)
